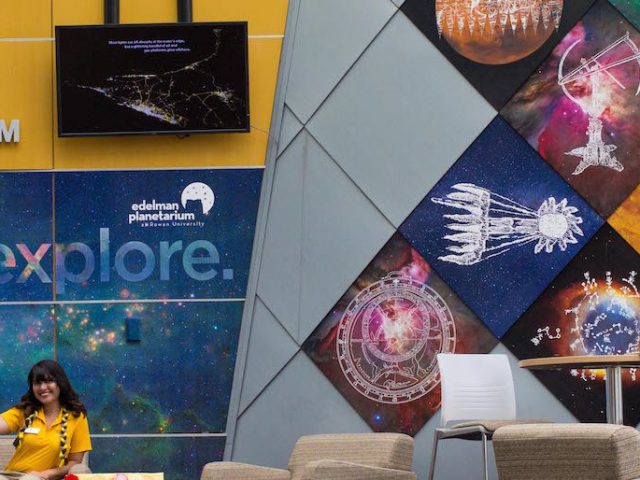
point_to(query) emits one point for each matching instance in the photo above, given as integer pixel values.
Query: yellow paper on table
(120, 476)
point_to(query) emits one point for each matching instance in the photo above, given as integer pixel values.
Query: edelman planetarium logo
(154, 213)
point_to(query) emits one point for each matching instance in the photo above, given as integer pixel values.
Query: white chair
(478, 391)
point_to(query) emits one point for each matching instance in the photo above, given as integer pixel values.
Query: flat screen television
(152, 79)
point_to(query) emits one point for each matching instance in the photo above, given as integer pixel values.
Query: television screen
(152, 79)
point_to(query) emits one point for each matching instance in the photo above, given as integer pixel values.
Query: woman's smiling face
(46, 392)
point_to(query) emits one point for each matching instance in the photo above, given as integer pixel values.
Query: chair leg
(484, 457)
(434, 451)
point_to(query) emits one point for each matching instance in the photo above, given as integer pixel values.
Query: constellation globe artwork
(591, 308)
(389, 336)
(606, 317)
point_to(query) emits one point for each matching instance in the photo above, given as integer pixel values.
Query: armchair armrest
(334, 469)
(241, 471)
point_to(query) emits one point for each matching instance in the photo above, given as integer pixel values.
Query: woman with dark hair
(51, 425)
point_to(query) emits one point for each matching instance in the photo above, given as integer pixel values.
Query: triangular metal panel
(280, 267)
(342, 231)
(330, 35)
(289, 128)
(431, 114)
(270, 348)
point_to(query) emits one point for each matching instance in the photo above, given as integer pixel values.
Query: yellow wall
(27, 87)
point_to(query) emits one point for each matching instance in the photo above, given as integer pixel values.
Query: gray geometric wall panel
(270, 348)
(342, 232)
(281, 257)
(289, 128)
(299, 401)
(396, 144)
(352, 23)
(370, 117)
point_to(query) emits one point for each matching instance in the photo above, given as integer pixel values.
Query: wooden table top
(582, 361)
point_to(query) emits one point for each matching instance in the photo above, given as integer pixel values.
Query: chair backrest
(476, 387)
(385, 450)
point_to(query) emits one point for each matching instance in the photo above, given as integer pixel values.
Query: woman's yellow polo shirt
(39, 451)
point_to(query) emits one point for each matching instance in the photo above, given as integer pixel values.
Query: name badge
(32, 430)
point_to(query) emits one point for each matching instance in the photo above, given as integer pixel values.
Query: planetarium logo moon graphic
(389, 336)
(198, 191)
(497, 32)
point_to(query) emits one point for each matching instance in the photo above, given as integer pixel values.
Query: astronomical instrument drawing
(589, 85)
(389, 336)
(489, 224)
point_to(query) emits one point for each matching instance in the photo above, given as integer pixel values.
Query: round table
(613, 364)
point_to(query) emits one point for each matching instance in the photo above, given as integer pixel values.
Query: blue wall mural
(139, 278)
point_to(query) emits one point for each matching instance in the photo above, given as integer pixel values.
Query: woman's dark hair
(47, 371)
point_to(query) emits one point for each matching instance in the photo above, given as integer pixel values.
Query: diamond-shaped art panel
(378, 344)
(630, 9)
(493, 43)
(591, 308)
(625, 219)
(580, 111)
(499, 226)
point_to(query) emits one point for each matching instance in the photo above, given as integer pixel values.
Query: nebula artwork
(378, 345)
(29, 330)
(579, 110)
(591, 308)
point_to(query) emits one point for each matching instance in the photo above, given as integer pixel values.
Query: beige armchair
(587, 451)
(365, 456)
(7, 449)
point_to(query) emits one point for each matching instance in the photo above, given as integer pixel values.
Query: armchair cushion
(492, 425)
(241, 471)
(337, 470)
(393, 451)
